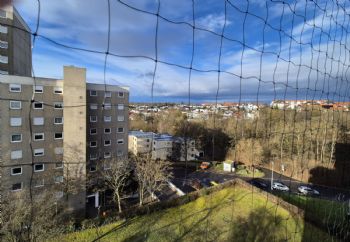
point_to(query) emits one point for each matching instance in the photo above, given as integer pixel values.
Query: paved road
(330, 193)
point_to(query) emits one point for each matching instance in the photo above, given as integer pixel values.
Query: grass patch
(249, 173)
(231, 214)
(332, 214)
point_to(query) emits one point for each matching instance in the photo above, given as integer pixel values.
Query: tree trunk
(118, 201)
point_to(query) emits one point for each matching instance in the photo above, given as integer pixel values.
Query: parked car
(204, 165)
(259, 184)
(305, 190)
(279, 186)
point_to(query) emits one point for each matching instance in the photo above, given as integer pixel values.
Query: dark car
(260, 184)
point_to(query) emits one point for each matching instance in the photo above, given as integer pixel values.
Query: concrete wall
(74, 144)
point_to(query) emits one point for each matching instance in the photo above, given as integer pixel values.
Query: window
(93, 93)
(108, 94)
(38, 121)
(38, 105)
(107, 118)
(120, 141)
(93, 156)
(107, 155)
(39, 152)
(92, 168)
(59, 194)
(120, 118)
(93, 106)
(4, 44)
(16, 171)
(38, 167)
(93, 131)
(93, 144)
(93, 119)
(38, 182)
(16, 154)
(58, 165)
(107, 130)
(107, 106)
(17, 186)
(2, 13)
(15, 122)
(59, 150)
(120, 94)
(59, 135)
(58, 90)
(107, 142)
(58, 120)
(107, 166)
(58, 105)
(38, 89)
(58, 179)
(120, 106)
(16, 138)
(15, 104)
(120, 153)
(120, 130)
(15, 88)
(3, 29)
(4, 59)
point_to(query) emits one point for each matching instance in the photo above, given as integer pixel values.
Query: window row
(39, 183)
(94, 93)
(37, 168)
(16, 138)
(107, 119)
(36, 105)
(17, 121)
(106, 130)
(36, 89)
(106, 106)
(18, 154)
(93, 144)
(106, 155)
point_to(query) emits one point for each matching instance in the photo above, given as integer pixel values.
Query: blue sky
(84, 24)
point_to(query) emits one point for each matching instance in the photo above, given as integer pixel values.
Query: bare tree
(151, 175)
(24, 220)
(116, 177)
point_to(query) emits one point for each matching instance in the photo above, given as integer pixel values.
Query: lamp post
(272, 174)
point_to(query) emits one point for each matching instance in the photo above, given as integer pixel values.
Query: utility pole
(271, 174)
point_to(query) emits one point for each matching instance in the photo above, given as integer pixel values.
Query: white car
(305, 190)
(279, 186)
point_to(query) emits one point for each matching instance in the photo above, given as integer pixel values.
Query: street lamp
(272, 174)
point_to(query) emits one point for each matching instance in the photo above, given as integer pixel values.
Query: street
(180, 179)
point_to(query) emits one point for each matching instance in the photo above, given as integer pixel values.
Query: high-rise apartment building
(15, 43)
(70, 129)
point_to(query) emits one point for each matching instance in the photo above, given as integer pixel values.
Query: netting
(274, 77)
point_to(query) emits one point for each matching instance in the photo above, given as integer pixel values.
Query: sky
(294, 50)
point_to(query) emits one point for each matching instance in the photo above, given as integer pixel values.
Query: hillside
(231, 214)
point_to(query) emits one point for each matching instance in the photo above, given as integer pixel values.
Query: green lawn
(231, 214)
(331, 213)
(248, 173)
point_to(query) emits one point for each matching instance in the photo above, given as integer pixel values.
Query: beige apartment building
(69, 130)
(15, 43)
(162, 146)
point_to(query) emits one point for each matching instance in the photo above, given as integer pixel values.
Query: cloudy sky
(298, 50)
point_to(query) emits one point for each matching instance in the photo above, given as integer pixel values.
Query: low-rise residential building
(162, 146)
